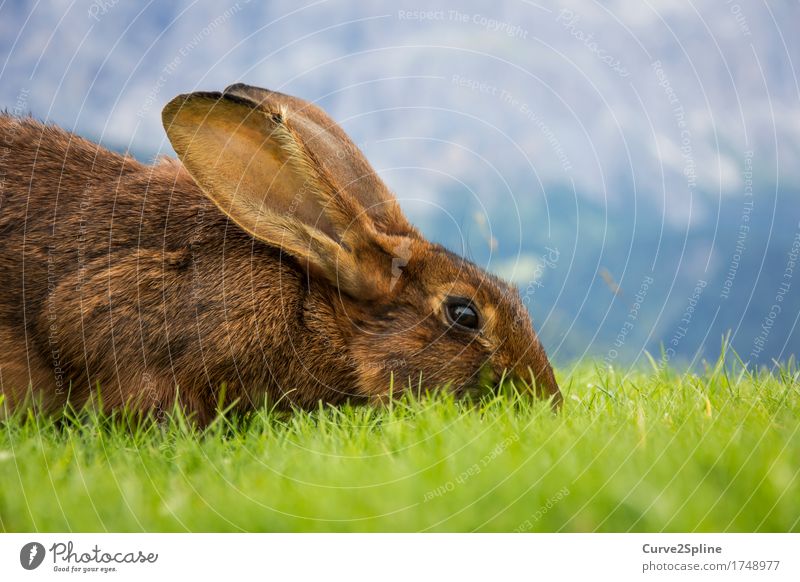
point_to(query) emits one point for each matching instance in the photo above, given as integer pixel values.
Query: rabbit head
(407, 310)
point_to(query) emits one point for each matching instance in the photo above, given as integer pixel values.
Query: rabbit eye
(462, 313)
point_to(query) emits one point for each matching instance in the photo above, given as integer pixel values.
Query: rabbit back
(125, 277)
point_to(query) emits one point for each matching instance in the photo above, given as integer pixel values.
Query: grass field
(650, 451)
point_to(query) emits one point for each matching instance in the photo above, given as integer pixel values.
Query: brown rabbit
(271, 261)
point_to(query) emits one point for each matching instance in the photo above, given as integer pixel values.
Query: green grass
(649, 451)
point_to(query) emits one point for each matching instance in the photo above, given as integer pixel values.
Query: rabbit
(269, 264)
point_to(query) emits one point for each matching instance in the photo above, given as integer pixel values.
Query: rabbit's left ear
(335, 151)
(255, 167)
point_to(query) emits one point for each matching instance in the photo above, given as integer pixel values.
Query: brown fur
(155, 284)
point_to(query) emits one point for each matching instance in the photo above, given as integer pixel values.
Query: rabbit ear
(250, 161)
(337, 153)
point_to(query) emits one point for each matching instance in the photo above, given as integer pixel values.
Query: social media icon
(31, 555)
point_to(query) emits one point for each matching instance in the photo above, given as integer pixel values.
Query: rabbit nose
(544, 382)
(547, 386)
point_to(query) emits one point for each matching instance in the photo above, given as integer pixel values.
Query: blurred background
(633, 167)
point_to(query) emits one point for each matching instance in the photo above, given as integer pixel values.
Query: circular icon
(31, 555)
